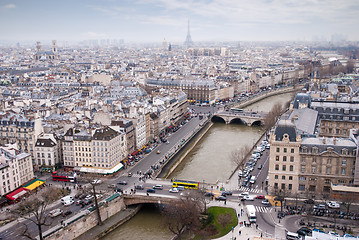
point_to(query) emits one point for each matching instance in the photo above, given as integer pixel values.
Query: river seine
(209, 161)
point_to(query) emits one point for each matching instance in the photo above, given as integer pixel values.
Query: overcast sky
(154, 20)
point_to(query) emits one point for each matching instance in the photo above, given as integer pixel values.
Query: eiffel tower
(188, 42)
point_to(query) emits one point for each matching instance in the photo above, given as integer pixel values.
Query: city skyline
(154, 20)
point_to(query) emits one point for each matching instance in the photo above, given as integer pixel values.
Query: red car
(260, 197)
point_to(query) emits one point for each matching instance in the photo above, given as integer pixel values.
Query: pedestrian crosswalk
(247, 189)
(263, 209)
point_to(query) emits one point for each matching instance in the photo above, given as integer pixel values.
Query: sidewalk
(246, 232)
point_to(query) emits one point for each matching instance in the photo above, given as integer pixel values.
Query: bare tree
(347, 200)
(94, 182)
(271, 118)
(182, 216)
(34, 209)
(238, 156)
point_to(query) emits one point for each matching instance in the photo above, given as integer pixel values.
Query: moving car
(304, 231)
(139, 187)
(265, 202)
(68, 212)
(96, 181)
(68, 203)
(248, 198)
(260, 197)
(225, 193)
(122, 183)
(221, 198)
(158, 186)
(173, 190)
(56, 212)
(150, 190)
(158, 151)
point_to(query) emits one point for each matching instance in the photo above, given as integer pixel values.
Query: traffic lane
(265, 223)
(152, 158)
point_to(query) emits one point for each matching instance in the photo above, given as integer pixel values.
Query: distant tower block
(54, 46)
(38, 46)
(188, 42)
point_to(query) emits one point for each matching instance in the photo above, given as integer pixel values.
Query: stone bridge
(246, 117)
(142, 199)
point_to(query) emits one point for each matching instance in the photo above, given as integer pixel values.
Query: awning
(34, 184)
(17, 193)
(101, 170)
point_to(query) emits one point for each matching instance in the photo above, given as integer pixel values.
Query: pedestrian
(256, 226)
(239, 232)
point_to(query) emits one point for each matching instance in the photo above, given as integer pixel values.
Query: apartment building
(15, 168)
(47, 151)
(284, 166)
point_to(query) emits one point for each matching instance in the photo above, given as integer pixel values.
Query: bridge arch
(216, 118)
(257, 123)
(238, 121)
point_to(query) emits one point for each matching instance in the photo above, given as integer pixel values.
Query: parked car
(333, 204)
(87, 201)
(319, 206)
(79, 202)
(150, 190)
(309, 201)
(122, 183)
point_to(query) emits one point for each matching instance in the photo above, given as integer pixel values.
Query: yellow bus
(185, 184)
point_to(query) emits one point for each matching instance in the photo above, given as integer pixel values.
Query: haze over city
(154, 20)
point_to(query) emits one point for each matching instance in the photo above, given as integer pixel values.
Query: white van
(66, 199)
(292, 236)
(253, 180)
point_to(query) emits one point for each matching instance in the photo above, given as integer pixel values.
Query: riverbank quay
(189, 144)
(257, 98)
(110, 224)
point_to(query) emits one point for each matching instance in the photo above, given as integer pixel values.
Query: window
(290, 178)
(326, 189)
(277, 158)
(285, 150)
(290, 186)
(329, 161)
(284, 167)
(292, 159)
(327, 181)
(344, 162)
(314, 169)
(276, 167)
(284, 158)
(303, 160)
(283, 177)
(276, 185)
(314, 160)
(277, 149)
(301, 187)
(292, 150)
(302, 169)
(343, 171)
(275, 176)
(283, 186)
(328, 170)
(291, 168)
(312, 188)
